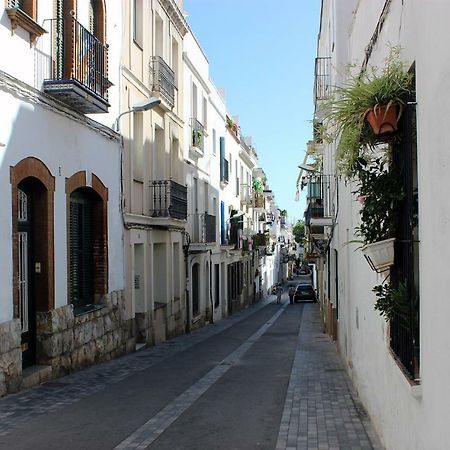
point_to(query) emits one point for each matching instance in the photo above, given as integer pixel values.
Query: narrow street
(266, 378)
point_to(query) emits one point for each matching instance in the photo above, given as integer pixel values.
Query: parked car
(305, 292)
(274, 288)
(304, 271)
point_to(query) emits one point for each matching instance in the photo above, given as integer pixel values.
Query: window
(405, 326)
(138, 144)
(214, 139)
(87, 249)
(20, 12)
(138, 25)
(194, 101)
(205, 113)
(81, 249)
(29, 7)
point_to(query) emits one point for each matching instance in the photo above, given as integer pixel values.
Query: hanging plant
(374, 96)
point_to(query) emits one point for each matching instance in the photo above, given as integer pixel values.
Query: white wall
(65, 147)
(406, 416)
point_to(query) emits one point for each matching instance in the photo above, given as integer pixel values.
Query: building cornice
(29, 94)
(175, 15)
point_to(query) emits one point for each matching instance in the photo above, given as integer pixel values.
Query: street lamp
(143, 105)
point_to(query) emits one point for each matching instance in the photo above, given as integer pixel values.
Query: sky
(261, 52)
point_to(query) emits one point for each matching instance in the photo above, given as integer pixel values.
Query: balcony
(204, 229)
(259, 201)
(198, 134)
(224, 172)
(168, 199)
(261, 240)
(322, 79)
(162, 80)
(246, 195)
(79, 68)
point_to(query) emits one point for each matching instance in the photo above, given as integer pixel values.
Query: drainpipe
(186, 267)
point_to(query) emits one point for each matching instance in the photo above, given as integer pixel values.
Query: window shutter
(81, 248)
(222, 157)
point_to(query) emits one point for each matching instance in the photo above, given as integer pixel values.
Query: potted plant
(197, 138)
(380, 194)
(365, 111)
(258, 189)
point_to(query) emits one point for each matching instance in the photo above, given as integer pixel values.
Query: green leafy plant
(258, 186)
(381, 194)
(347, 108)
(283, 213)
(392, 301)
(197, 137)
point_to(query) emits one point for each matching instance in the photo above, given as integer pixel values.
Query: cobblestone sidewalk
(321, 410)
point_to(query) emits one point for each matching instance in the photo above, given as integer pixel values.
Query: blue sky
(262, 53)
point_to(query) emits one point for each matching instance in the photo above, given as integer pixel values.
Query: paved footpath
(265, 378)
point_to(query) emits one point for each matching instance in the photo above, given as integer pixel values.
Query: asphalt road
(225, 392)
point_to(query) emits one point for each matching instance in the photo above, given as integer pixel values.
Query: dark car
(305, 292)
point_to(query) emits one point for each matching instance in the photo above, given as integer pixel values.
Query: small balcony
(168, 199)
(204, 229)
(259, 201)
(224, 171)
(79, 68)
(322, 78)
(261, 240)
(162, 80)
(198, 134)
(246, 196)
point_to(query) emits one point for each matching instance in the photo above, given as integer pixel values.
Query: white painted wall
(65, 147)
(406, 416)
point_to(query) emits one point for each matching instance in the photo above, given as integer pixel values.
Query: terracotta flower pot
(383, 119)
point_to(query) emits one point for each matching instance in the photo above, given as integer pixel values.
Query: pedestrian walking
(291, 293)
(279, 294)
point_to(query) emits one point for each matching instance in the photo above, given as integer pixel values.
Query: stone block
(50, 346)
(3, 390)
(98, 328)
(108, 324)
(67, 341)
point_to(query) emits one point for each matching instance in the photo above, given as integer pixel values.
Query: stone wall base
(10, 357)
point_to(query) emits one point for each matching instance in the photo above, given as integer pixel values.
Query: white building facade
(61, 231)
(397, 368)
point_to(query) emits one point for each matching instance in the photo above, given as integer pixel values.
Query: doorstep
(35, 375)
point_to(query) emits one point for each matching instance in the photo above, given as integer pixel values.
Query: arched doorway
(32, 187)
(31, 271)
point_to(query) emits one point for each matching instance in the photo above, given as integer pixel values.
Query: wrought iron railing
(322, 78)
(204, 228)
(405, 325)
(88, 56)
(168, 199)
(260, 240)
(313, 212)
(198, 134)
(162, 79)
(259, 201)
(246, 194)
